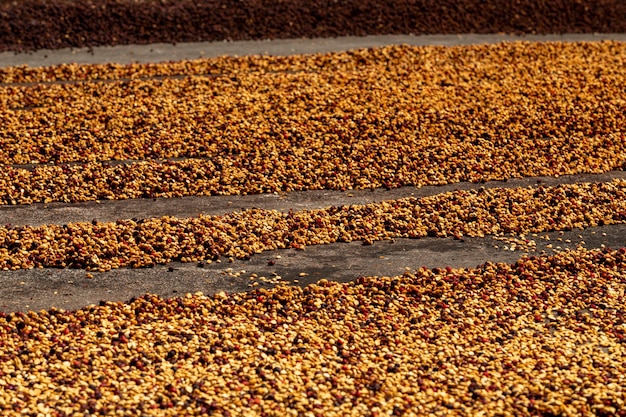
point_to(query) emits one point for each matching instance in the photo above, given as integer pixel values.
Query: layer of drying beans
(35, 24)
(383, 117)
(140, 243)
(543, 337)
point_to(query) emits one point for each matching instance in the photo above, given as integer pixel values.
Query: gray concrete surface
(167, 52)
(71, 288)
(111, 210)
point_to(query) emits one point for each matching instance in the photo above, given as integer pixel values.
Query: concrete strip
(105, 211)
(161, 52)
(71, 288)
(111, 210)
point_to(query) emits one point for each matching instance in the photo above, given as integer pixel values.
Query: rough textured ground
(37, 24)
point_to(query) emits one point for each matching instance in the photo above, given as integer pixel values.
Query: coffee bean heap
(384, 117)
(147, 242)
(544, 336)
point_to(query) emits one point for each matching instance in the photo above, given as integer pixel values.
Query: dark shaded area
(52, 24)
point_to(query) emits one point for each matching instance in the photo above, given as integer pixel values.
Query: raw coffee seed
(544, 336)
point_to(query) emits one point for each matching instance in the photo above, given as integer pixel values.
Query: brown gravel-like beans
(545, 336)
(52, 24)
(383, 117)
(146, 242)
